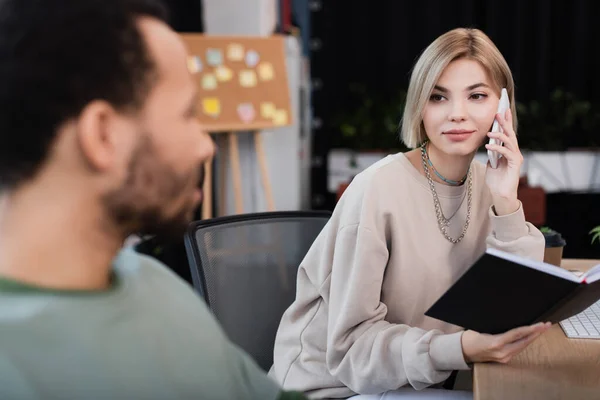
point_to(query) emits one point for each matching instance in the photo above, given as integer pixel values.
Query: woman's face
(461, 108)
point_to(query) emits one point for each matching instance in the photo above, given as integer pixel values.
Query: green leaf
(595, 234)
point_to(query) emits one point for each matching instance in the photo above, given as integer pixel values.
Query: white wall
(577, 171)
(239, 17)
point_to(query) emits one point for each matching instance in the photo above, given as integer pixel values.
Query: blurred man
(100, 140)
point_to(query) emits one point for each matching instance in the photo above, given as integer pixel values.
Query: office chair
(245, 268)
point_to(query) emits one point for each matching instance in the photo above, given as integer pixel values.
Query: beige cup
(554, 248)
(553, 255)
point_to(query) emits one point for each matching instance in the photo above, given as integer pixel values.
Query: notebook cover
(496, 295)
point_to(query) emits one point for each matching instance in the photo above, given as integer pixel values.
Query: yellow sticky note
(211, 106)
(209, 82)
(280, 117)
(223, 73)
(267, 110)
(247, 78)
(235, 52)
(266, 71)
(194, 64)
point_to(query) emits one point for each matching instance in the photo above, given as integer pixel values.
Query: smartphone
(504, 105)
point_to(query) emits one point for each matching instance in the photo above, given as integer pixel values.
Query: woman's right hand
(478, 347)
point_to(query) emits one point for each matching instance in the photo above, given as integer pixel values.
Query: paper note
(211, 106)
(194, 64)
(247, 78)
(246, 112)
(214, 57)
(267, 109)
(265, 71)
(209, 82)
(280, 117)
(252, 58)
(223, 73)
(235, 52)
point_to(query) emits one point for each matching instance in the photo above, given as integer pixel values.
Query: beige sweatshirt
(358, 324)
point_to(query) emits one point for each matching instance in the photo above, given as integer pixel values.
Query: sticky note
(247, 78)
(214, 57)
(246, 112)
(235, 52)
(223, 73)
(194, 64)
(266, 71)
(211, 106)
(252, 58)
(209, 82)
(280, 117)
(267, 109)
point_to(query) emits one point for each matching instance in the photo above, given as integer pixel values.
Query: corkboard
(242, 81)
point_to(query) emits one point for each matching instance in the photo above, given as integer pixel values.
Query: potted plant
(371, 122)
(560, 121)
(367, 128)
(554, 246)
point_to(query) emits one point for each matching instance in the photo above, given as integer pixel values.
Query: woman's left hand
(503, 181)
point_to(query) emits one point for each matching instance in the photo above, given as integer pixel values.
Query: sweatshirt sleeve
(365, 352)
(512, 234)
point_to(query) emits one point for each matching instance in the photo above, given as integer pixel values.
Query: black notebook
(502, 291)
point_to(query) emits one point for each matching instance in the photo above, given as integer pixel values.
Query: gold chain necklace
(443, 222)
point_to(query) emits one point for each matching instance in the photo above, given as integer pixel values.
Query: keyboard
(585, 325)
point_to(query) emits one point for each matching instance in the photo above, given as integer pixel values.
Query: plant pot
(554, 248)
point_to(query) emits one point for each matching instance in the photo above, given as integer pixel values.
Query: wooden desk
(553, 367)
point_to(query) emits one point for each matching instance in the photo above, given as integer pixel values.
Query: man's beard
(138, 206)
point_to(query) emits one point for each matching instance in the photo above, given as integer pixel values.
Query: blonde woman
(403, 232)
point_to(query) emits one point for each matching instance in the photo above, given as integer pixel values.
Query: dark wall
(574, 215)
(547, 43)
(186, 15)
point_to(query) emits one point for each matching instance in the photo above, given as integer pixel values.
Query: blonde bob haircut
(458, 43)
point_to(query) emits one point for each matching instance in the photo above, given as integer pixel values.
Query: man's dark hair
(56, 56)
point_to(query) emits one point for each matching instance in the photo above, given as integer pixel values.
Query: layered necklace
(444, 222)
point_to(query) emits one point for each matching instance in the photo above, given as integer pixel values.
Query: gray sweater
(149, 337)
